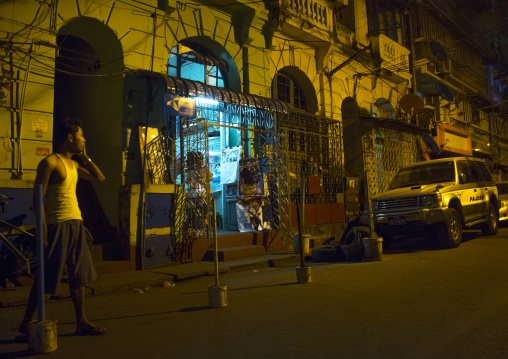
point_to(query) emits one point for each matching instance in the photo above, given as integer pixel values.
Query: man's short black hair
(71, 125)
(65, 127)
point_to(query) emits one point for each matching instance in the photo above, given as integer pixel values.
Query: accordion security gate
(186, 136)
(304, 142)
(314, 146)
(385, 151)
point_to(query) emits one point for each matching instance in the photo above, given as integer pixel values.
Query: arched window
(186, 63)
(284, 88)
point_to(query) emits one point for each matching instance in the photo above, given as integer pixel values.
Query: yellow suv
(439, 198)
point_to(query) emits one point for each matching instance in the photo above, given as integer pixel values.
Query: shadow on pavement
(254, 287)
(18, 354)
(419, 244)
(194, 309)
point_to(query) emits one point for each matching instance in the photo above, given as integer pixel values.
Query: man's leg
(31, 308)
(83, 326)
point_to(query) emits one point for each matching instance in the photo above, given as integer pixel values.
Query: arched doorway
(234, 134)
(314, 149)
(88, 85)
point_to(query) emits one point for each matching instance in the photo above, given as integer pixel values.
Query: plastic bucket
(217, 296)
(306, 241)
(303, 275)
(42, 337)
(373, 248)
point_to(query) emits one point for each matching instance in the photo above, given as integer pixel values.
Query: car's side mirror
(462, 178)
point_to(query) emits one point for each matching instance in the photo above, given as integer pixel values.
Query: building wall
(257, 42)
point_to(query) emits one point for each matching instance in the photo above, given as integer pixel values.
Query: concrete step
(240, 239)
(104, 267)
(233, 253)
(109, 252)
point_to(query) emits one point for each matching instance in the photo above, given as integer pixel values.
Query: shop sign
(179, 106)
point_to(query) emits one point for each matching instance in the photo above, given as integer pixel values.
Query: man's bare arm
(91, 172)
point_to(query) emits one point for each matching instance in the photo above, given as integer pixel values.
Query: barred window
(287, 90)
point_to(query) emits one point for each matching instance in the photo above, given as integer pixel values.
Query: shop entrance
(233, 154)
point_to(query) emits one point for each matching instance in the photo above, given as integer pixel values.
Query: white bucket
(373, 248)
(217, 296)
(303, 275)
(306, 241)
(42, 337)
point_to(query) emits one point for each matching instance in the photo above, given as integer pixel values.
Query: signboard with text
(179, 106)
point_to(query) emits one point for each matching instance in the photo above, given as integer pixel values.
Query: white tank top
(61, 200)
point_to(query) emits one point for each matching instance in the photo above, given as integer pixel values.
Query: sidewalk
(156, 277)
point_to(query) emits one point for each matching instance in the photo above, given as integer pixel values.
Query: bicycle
(28, 261)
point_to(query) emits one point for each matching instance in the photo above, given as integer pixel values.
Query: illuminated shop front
(225, 145)
(246, 152)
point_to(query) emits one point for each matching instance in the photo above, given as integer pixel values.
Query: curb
(158, 277)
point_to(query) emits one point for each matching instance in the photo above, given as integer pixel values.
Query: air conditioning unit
(444, 67)
(444, 112)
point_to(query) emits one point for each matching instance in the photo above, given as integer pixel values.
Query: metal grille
(314, 146)
(385, 151)
(398, 203)
(157, 157)
(194, 135)
(185, 135)
(276, 209)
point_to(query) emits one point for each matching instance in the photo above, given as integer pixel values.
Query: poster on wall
(250, 215)
(229, 164)
(250, 182)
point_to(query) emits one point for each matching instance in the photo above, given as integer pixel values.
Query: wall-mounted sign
(454, 140)
(42, 151)
(179, 106)
(39, 125)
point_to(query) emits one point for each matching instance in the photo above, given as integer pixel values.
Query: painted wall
(132, 35)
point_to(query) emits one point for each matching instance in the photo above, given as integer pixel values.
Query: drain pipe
(246, 89)
(144, 165)
(412, 56)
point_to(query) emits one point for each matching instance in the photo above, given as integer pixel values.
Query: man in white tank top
(65, 239)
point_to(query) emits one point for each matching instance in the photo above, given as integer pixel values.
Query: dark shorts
(68, 244)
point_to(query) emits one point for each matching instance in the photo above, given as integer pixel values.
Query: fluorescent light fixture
(205, 101)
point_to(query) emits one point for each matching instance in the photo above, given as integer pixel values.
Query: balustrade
(316, 12)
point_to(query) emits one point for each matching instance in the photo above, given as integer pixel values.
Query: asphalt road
(418, 302)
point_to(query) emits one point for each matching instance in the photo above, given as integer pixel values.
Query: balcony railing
(394, 56)
(316, 12)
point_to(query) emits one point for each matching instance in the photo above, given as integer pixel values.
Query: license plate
(396, 220)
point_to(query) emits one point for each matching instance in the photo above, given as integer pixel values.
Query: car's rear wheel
(489, 228)
(450, 231)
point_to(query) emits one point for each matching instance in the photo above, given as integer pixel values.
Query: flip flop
(91, 330)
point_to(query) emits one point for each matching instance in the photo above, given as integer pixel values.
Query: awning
(205, 60)
(188, 88)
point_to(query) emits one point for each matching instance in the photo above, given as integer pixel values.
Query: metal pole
(372, 233)
(215, 250)
(300, 218)
(39, 236)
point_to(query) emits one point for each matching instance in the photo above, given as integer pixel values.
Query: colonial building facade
(276, 98)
